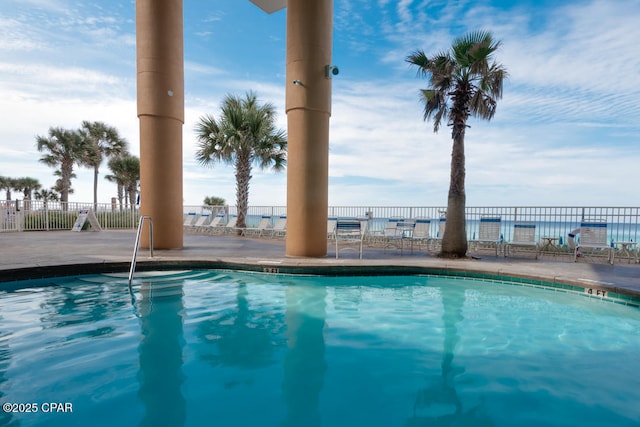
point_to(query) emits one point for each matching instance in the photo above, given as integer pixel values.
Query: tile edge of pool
(588, 288)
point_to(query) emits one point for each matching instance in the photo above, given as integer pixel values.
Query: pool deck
(38, 254)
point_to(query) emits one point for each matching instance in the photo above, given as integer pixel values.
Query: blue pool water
(223, 348)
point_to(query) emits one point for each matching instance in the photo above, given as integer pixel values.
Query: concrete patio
(39, 254)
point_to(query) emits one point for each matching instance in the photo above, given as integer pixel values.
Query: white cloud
(564, 133)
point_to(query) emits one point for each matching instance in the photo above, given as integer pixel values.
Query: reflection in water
(242, 337)
(5, 360)
(304, 363)
(160, 355)
(81, 302)
(439, 404)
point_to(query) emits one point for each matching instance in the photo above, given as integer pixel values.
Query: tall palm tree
(102, 141)
(63, 148)
(125, 172)
(245, 134)
(464, 82)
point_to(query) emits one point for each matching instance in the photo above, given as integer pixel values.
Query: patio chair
(263, 226)
(189, 219)
(214, 225)
(420, 234)
(388, 233)
(489, 232)
(230, 226)
(524, 235)
(202, 220)
(593, 235)
(350, 232)
(331, 227)
(442, 223)
(403, 231)
(280, 227)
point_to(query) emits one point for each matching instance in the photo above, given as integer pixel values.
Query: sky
(565, 133)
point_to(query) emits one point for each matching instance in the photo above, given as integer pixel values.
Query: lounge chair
(201, 221)
(230, 226)
(593, 235)
(280, 227)
(489, 232)
(214, 225)
(442, 223)
(420, 234)
(349, 232)
(263, 226)
(524, 235)
(189, 219)
(388, 234)
(404, 229)
(331, 227)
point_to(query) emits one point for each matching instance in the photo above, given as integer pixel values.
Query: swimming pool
(225, 348)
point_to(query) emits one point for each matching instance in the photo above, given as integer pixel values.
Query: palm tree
(27, 185)
(125, 171)
(245, 134)
(7, 184)
(131, 178)
(214, 201)
(64, 148)
(46, 196)
(464, 82)
(102, 141)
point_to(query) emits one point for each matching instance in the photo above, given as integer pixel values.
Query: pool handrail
(137, 244)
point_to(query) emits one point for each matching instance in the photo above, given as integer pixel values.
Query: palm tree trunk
(132, 195)
(66, 172)
(95, 189)
(454, 241)
(243, 176)
(120, 195)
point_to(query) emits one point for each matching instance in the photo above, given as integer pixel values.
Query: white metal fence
(551, 221)
(623, 223)
(37, 215)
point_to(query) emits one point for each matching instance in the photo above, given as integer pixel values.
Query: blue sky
(565, 132)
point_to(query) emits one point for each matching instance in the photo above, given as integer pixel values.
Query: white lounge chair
(201, 221)
(390, 233)
(403, 231)
(489, 232)
(331, 227)
(189, 219)
(280, 227)
(442, 223)
(524, 235)
(349, 232)
(420, 234)
(230, 226)
(263, 226)
(214, 225)
(593, 235)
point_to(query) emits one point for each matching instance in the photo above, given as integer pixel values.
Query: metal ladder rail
(137, 244)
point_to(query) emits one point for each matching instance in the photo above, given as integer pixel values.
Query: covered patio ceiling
(270, 6)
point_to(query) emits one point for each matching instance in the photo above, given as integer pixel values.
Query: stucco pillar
(308, 107)
(160, 68)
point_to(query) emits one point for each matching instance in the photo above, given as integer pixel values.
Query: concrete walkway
(37, 254)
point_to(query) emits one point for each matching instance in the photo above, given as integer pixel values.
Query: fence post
(19, 218)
